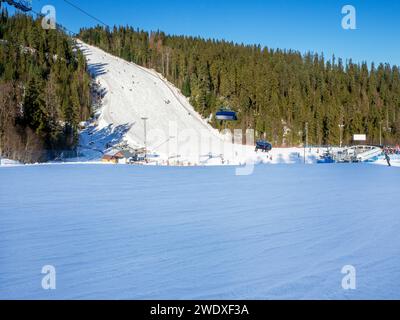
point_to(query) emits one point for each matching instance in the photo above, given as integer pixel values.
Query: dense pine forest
(44, 90)
(45, 87)
(277, 92)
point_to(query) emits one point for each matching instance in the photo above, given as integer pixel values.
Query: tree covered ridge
(44, 90)
(275, 92)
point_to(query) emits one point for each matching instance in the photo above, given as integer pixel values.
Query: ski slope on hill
(174, 129)
(126, 232)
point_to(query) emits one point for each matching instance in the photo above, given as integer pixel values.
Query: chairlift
(226, 114)
(327, 158)
(263, 145)
(23, 5)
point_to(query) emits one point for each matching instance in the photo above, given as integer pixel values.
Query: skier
(387, 158)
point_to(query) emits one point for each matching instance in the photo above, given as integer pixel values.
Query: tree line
(276, 92)
(44, 90)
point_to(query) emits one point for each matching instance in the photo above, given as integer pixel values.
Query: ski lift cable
(20, 5)
(23, 45)
(59, 26)
(86, 13)
(23, 6)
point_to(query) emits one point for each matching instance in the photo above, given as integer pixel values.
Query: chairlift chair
(22, 5)
(226, 114)
(263, 145)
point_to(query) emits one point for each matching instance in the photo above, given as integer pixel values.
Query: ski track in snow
(124, 232)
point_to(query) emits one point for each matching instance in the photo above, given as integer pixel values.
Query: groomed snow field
(126, 232)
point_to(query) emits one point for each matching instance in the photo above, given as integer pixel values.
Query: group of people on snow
(391, 150)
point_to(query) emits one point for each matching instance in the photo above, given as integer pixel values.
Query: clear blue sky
(304, 25)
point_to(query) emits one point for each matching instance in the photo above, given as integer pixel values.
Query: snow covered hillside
(175, 132)
(126, 232)
(133, 93)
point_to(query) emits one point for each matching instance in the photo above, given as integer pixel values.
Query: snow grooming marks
(209, 235)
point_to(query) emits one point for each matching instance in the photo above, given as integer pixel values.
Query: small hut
(114, 156)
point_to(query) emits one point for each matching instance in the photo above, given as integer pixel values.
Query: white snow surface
(395, 161)
(127, 232)
(8, 162)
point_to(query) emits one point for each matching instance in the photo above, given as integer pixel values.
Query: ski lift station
(353, 154)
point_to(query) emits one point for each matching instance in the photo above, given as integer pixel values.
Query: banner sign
(360, 137)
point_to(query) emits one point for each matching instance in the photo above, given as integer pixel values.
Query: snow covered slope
(174, 129)
(125, 232)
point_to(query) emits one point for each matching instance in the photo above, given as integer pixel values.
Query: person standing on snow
(387, 158)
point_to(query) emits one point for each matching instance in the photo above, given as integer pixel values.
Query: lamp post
(307, 134)
(145, 137)
(306, 142)
(341, 126)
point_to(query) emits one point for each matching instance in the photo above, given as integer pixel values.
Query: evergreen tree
(51, 90)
